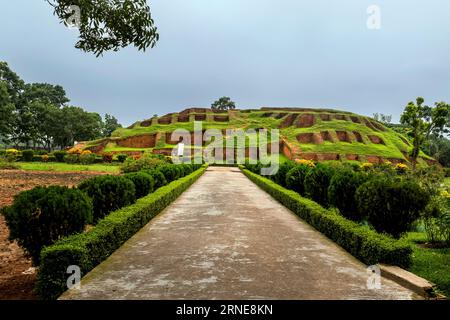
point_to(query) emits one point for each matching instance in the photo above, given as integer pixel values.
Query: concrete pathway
(225, 238)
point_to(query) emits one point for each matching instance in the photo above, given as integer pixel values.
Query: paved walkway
(224, 238)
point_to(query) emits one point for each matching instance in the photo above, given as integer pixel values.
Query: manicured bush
(295, 178)
(87, 158)
(317, 181)
(72, 158)
(41, 216)
(362, 242)
(157, 176)
(122, 157)
(170, 172)
(89, 249)
(27, 155)
(342, 190)
(187, 168)
(391, 205)
(108, 193)
(39, 158)
(143, 183)
(148, 161)
(59, 155)
(280, 176)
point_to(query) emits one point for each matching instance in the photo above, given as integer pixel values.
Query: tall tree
(6, 112)
(423, 121)
(223, 103)
(45, 93)
(14, 84)
(109, 125)
(108, 24)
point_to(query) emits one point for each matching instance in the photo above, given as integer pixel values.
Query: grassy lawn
(431, 264)
(56, 166)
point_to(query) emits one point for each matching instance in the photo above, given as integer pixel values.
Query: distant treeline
(38, 115)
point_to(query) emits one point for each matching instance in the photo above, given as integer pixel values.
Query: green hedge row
(365, 244)
(89, 249)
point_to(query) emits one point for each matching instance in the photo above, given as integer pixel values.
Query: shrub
(108, 193)
(37, 158)
(317, 181)
(45, 158)
(107, 157)
(43, 215)
(143, 183)
(187, 168)
(71, 158)
(342, 190)
(157, 176)
(122, 157)
(59, 155)
(447, 172)
(87, 158)
(391, 205)
(11, 155)
(280, 176)
(145, 162)
(27, 155)
(89, 249)
(170, 172)
(360, 241)
(295, 178)
(74, 151)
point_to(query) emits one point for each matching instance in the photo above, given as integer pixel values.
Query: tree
(385, 118)
(108, 24)
(223, 103)
(109, 125)
(45, 93)
(423, 121)
(6, 112)
(14, 85)
(438, 148)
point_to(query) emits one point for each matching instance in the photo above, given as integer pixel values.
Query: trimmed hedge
(89, 249)
(365, 244)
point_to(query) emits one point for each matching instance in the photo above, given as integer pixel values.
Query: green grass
(56, 166)
(431, 264)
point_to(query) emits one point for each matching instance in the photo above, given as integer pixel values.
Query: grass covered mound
(305, 133)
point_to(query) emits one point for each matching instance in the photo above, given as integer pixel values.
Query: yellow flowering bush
(74, 151)
(445, 194)
(366, 166)
(401, 167)
(308, 163)
(86, 152)
(44, 157)
(12, 152)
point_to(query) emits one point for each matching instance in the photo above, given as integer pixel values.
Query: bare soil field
(17, 276)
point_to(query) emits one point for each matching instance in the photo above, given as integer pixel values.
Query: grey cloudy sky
(316, 53)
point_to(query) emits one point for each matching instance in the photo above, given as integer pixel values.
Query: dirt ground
(17, 276)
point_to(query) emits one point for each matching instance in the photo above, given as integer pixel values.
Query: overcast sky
(312, 53)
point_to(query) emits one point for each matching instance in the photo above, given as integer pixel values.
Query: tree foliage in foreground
(108, 24)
